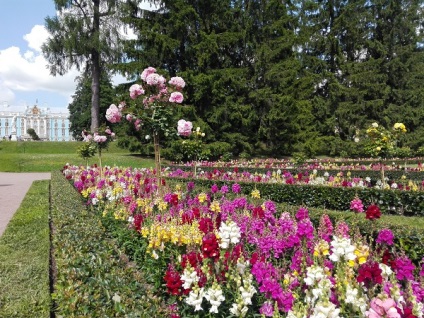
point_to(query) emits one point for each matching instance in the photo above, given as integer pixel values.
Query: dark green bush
(91, 272)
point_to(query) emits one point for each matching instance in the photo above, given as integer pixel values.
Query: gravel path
(13, 188)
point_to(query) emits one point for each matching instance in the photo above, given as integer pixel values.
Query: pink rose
(184, 128)
(147, 72)
(176, 97)
(113, 114)
(177, 81)
(136, 90)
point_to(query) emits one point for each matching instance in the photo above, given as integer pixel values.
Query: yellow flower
(215, 207)
(322, 248)
(362, 252)
(256, 194)
(202, 197)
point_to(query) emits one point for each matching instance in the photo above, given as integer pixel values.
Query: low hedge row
(395, 175)
(406, 203)
(92, 277)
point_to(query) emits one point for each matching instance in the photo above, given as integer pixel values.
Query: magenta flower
(404, 268)
(385, 237)
(236, 188)
(136, 90)
(113, 114)
(184, 128)
(176, 97)
(356, 205)
(267, 309)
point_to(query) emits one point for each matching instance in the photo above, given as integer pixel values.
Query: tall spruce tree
(84, 33)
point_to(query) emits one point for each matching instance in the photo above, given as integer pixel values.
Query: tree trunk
(95, 70)
(157, 161)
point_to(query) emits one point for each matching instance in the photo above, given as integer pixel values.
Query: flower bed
(219, 252)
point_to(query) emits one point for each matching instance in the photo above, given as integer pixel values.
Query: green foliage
(87, 150)
(92, 275)
(33, 134)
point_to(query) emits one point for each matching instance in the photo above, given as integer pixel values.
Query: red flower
(370, 274)
(174, 199)
(193, 258)
(210, 247)
(138, 220)
(373, 212)
(258, 212)
(173, 281)
(206, 225)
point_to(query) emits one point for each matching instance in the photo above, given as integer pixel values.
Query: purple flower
(302, 213)
(236, 188)
(385, 237)
(214, 188)
(404, 268)
(267, 309)
(224, 189)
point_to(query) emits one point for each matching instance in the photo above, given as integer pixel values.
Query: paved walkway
(13, 188)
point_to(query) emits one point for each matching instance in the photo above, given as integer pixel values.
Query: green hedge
(406, 203)
(91, 274)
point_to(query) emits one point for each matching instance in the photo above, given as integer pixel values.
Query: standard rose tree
(150, 108)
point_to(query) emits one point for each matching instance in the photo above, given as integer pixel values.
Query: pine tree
(84, 33)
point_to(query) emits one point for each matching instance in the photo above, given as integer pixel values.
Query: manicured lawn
(24, 258)
(33, 156)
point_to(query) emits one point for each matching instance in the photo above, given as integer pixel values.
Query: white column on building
(45, 127)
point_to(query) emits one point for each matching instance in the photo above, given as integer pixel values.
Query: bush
(33, 134)
(93, 278)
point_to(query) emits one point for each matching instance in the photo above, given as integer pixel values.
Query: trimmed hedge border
(92, 277)
(395, 202)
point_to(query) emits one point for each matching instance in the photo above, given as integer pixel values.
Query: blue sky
(24, 77)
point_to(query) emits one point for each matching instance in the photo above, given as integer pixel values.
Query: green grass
(24, 258)
(33, 156)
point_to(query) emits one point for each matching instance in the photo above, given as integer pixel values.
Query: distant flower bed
(221, 253)
(341, 179)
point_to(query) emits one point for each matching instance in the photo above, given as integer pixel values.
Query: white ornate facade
(48, 125)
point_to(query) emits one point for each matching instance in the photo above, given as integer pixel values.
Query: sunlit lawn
(49, 156)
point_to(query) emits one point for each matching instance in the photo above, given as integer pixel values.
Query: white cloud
(27, 71)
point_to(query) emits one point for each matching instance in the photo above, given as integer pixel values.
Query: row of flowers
(341, 179)
(321, 164)
(237, 256)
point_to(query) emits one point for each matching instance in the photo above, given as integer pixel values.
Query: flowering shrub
(238, 256)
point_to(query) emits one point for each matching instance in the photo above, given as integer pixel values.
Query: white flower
(241, 266)
(155, 255)
(314, 274)
(351, 294)
(116, 298)
(215, 297)
(195, 298)
(394, 185)
(325, 310)
(189, 277)
(375, 125)
(130, 220)
(94, 201)
(342, 248)
(229, 233)
(386, 271)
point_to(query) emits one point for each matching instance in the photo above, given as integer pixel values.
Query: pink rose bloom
(113, 114)
(108, 131)
(176, 97)
(383, 309)
(155, 79)
(99, 138)
(137, 124)
(87, 137)
(129, 117)
(121, 106)
(177, 81)
(136, 90)
(147, 72)
(184, 128)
